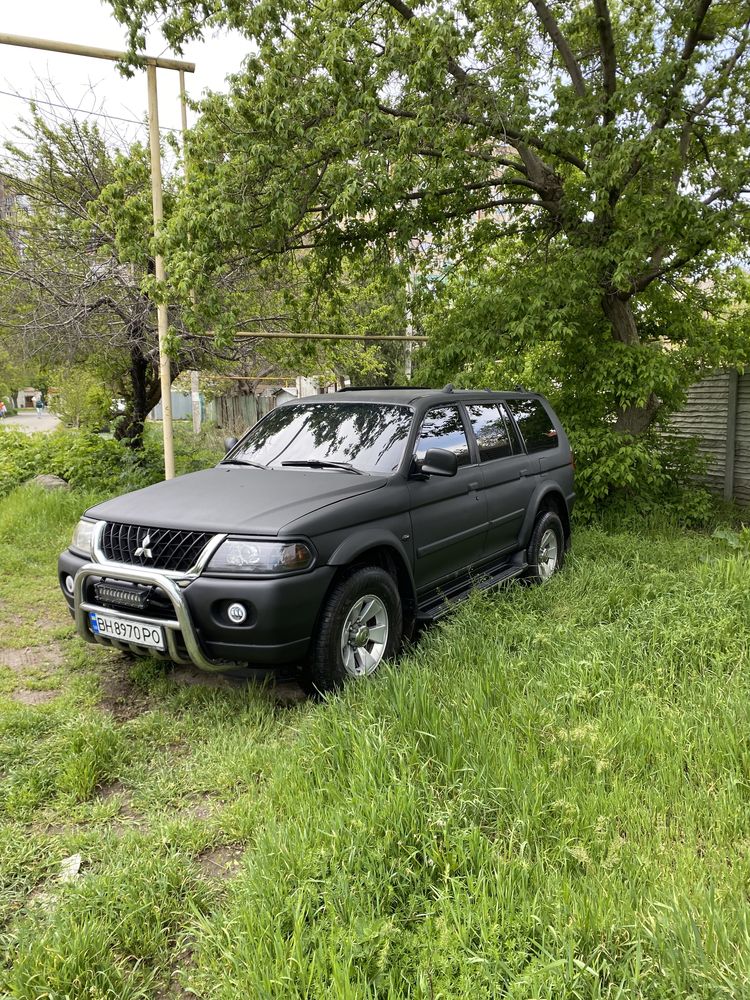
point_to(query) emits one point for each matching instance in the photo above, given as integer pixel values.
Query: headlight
(83, 536)
(249, 557)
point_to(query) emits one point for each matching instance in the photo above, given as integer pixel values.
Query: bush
(626, 480)
(86, 461)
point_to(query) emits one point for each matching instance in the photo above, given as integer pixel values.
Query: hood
(235, 499)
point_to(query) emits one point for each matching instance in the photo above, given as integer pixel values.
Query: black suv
(328, 532)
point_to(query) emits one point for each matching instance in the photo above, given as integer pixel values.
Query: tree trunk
(130, 428)
(630, 419)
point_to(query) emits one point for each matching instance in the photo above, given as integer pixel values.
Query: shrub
(86, 461)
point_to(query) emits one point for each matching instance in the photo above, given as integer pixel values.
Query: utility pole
(45, 44)
(162, 316)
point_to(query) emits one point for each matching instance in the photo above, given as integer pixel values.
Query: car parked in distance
(328, 532)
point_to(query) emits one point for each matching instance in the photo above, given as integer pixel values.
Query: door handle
(473, 486)
(523, 472)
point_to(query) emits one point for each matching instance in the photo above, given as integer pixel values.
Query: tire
(343, 647)
(546, 552)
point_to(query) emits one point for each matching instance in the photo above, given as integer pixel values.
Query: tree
(78, 267)
(602, 145)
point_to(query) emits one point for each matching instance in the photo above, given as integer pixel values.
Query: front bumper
(193, 613)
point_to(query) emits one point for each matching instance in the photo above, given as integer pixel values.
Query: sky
(95, 84)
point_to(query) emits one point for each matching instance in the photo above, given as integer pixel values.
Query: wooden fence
(237, 413)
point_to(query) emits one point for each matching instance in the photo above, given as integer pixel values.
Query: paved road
(30, 423)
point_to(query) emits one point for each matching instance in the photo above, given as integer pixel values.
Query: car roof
(413, 394)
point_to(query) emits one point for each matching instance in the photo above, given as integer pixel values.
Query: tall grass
(549, 797)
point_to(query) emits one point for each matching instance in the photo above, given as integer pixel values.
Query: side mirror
(439, 462)
(229, 443)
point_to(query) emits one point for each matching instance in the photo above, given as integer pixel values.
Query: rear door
(509, 475)
(448, 514)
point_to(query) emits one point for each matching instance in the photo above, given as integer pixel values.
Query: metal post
(195, 397)
(165, 365)
(731, 441)
(152, 62)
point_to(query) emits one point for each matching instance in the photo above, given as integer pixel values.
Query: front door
(448, 514)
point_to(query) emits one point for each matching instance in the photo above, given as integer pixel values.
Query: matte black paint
(437, 528)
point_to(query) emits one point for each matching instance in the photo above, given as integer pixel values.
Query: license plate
(118, 628)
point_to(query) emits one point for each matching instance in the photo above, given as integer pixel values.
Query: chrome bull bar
(182, 622)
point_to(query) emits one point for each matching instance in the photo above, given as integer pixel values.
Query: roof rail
(384, 388)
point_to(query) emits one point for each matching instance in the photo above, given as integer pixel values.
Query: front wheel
(546, 549)
(360, 627)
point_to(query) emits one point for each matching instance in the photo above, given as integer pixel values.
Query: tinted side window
(442, 427)
(535, 426)
(490, 430)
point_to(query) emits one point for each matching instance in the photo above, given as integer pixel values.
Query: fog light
(69, 584)
(236, 613)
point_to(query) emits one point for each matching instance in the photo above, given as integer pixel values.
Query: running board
(437, 605)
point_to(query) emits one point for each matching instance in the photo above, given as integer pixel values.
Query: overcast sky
(95, 84)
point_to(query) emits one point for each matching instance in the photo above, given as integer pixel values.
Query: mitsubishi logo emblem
(143, 549)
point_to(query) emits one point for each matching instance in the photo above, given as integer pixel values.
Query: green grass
(548, 797)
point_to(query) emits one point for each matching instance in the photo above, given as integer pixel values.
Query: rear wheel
(360, 627)
(546, 549)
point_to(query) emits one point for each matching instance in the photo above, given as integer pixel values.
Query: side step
(439, 603)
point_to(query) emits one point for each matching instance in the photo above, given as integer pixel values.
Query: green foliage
(368, 298)
(579, 170)
(737, 541)
(99, 464)
(495, 326)
(86, 461)
(81, 400)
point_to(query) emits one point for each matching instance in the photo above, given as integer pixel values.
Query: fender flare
(351, 548)
(543, 490)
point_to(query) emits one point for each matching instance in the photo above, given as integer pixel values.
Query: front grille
(158, 548)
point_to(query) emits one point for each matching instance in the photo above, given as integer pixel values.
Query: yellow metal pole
(93, 52)
(165, 367)
(380, 338)
(70, 48)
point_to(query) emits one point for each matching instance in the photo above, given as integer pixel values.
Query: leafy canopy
(579, 169)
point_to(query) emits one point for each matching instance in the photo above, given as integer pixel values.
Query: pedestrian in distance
(3, 410)
(39, 406)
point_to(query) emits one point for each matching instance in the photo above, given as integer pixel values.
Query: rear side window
(443, 427)
(534, 423)
(490, 430)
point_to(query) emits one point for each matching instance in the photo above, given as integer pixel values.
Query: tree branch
(561, 44)
(647, 277)
(688, 49)
(460, 74)
(724, 70)
(665, 116)
(478, 186)
(609, 58)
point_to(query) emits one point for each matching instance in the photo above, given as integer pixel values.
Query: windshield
(368, 437)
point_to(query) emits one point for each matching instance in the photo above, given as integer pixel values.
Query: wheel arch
(550, 498)
(384, 551)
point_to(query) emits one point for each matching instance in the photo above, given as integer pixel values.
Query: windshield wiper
(242, 461)
(320, 463)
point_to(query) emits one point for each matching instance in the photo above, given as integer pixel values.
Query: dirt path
(30, 423)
